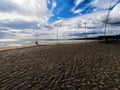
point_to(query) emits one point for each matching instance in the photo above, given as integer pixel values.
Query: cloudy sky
(26, 19)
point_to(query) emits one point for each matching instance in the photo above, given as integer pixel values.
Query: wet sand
(89, 66)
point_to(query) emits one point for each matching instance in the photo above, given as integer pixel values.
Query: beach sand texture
(89, 66)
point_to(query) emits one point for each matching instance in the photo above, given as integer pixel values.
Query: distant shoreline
(47, 44)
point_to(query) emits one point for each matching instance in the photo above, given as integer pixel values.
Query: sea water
(22, 42)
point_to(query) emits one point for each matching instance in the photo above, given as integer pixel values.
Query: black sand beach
(89, 66)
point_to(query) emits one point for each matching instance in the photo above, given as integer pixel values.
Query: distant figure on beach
(36, 42)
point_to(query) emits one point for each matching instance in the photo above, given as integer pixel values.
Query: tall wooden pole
(106, 23)
(58, 31)
(57, 35)
(85, 29)
(36, 41)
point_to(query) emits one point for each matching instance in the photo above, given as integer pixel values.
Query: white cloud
(78, 2)
(115, 14)
(37, 11)
(32, 7)
(15, 16)
(17, 34)
(76, 11)
(95, 23)
(26, 11)
(48, 1)
(30, 10)
(54, 4)
(103, 4)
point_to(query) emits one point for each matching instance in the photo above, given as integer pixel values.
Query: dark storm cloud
(114, 23)
(48, 27)
(7, 6)
(83, 34)
(3, 28)
(2, 34)
(20, 25)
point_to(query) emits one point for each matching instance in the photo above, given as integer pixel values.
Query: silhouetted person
(36, 42)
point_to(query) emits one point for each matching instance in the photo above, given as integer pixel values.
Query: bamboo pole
(58, 31)
(106, 23)
(85, 28)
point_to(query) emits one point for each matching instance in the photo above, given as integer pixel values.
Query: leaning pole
(58, 31)
(85, 30)
(106, 22)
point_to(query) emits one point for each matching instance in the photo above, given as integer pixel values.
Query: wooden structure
(109, 39)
